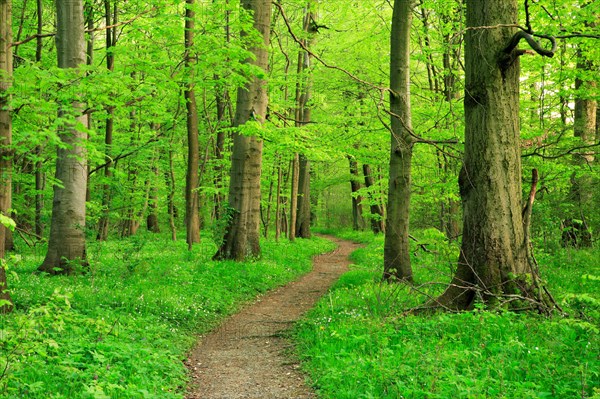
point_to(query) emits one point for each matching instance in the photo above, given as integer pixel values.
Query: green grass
(360, 343)
(123, 329)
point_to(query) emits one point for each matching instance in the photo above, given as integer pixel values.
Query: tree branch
(43, 35)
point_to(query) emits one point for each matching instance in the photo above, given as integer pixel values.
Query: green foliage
(360, 342)
(123, 329)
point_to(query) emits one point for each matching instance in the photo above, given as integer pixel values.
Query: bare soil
(248, 356)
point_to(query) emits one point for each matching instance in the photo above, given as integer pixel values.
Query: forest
(163, 164)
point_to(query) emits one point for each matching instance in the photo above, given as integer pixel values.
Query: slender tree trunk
(303, 92)
(396, 248)
(278, 200)
(152, 224)
(493, 256)
(242, 236)
(192, 218)
(67, 229)
(358, 222)
(294, 197)
(377, 225)
(6, 67)
(223, 102)
(303, 215)
(171, 197)
(40, 178)
(111, 37)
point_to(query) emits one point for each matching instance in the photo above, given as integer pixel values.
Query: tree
(6, 66)
(67, 236)
(303, 92)
(110, 15)
(396, 248)
(493, 259)
(242, 235)
(192, 219)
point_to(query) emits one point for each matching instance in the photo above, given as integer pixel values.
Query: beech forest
(300, 199)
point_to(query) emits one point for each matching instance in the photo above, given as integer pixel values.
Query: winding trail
(247, 356)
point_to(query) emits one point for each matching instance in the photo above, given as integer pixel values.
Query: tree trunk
(493, 257)
(242, 235)
(66, 245)
(223, 102)
(192, 218)
(278, 200)
(6, 67)
(303, 91)
(171, 196)
(111, 37)
(152, 224)
(294, 197)
(304, 203)
(377, 225)
(396, 247)
(358, 222)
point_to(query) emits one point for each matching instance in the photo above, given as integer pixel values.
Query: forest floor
(249, 356)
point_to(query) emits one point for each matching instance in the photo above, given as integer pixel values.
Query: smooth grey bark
(493, 256)
(242, 233)
(66, 245)
(396, 252)
(6, 67)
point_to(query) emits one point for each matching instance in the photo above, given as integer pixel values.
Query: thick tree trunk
(242, 236)
(377, 225)
(192, 218)
(493, 256)
(396, 248)
(66, 245)
(6, 58)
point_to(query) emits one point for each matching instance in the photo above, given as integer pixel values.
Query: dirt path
(246, 356)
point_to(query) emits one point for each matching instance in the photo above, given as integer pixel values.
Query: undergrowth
(122, 330)
(359, 342)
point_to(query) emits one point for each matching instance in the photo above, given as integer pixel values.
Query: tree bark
(66, 245)
(377, 225)
(303, 92)
(396, 247)
(192, 218)
(6, 67)
(493, 256)
(242, 235)
(111, 38)
(358, 222)
(294, 197)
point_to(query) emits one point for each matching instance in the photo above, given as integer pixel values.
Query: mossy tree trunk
(493, 261)
(242, 234)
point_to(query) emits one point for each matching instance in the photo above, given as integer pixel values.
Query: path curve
(246, 356)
